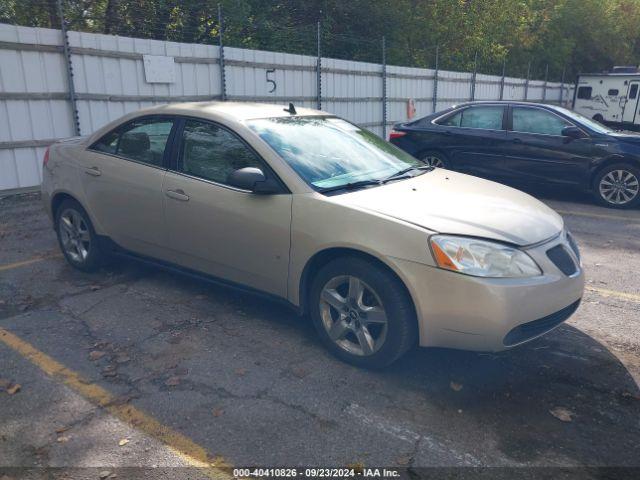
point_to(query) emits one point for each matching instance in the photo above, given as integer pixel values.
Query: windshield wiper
(403, 173)
(351, 186)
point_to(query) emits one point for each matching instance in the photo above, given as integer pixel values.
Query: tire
(617, 186)
(77, 238)
(384, 298)
(598, 118)
(435, 159)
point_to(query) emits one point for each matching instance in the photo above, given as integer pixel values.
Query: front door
(213, 227)
(539, 153)
(630, 113)
(123, 174)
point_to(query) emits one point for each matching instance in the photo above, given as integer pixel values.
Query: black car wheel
(434, 159)
(77, 238)
(362, 312)
(618, 186)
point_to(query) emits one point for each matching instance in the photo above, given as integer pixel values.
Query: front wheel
(618, 186)
(77, 238)
(362, 312)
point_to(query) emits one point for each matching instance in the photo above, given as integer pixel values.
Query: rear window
(584, 93)
(488, 118)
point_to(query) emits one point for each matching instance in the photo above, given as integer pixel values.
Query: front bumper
(491, 314)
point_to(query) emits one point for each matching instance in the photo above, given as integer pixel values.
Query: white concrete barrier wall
(109, 80)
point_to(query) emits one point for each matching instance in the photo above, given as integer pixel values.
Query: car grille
(561, 259)
(573, 245)
(530, 330)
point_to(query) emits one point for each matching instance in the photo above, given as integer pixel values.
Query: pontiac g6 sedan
(382, 251)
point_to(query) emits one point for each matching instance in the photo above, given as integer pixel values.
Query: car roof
(237, 111)
(503, 102)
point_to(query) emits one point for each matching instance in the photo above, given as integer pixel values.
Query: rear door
(216, 228)
(630, 113)
(478, 138)
(539, 153)
(123, 174)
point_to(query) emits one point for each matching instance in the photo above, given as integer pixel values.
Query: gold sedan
(382, 251)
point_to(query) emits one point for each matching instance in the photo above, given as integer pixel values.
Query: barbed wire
(256, 33)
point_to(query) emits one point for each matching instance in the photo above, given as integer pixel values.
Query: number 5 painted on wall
(271, 81)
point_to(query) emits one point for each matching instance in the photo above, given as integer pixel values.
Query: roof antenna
(291, 109)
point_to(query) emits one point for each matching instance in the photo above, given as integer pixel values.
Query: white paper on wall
(159, 69)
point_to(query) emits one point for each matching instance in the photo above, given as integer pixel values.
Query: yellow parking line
(598, 215)
(190, 452)
(614, 293)
(30, 261)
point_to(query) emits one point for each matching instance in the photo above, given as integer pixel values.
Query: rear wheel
(618, 186)
(435, 159)
(77, 238)
(362, 312)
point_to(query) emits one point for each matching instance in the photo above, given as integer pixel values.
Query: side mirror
(573, 133)
(252, 179)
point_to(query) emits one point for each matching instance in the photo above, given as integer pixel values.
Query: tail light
(45, 159)
(396, 134)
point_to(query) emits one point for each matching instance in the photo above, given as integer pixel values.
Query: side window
(584, 93)
(212, 153)
(108, 143)
(536, 120)
(633, 91)
(452, 120)
(141, 140)
(613, 92)
(144, 140)
(489, 118)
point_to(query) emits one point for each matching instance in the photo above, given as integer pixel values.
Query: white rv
(610, 97)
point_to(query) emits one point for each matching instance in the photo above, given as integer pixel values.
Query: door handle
(93, 171)
(177, 195)
(516, 140)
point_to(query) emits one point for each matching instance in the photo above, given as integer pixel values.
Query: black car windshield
(329, 153)
(587, 122)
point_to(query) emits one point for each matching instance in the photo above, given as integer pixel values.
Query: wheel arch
(616, 159)
(423, 152)
(322, 257)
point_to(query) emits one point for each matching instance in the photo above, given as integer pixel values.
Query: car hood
(450, 202)
(626, 137)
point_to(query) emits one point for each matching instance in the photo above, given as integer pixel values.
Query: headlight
(481, 258)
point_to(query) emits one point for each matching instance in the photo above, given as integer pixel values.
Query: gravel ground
(213, 372)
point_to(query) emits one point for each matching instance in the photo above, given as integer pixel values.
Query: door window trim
(176, 155)
(510, 123)
(168, 147)
(467, 107)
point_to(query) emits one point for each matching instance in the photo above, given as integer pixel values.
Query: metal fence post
(544, 87)
(473, 77)
(504, 70)
(384, 87)
(319, 73)
(435, 80)
(69, 67)
(223, 80)
(526, 83)
(562, 86)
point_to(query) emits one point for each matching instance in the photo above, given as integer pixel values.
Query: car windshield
(592, 124)
(329, 153)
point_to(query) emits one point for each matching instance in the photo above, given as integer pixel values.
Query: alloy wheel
(74, 235)
(353, 315)
(433, 161)
(619, 187)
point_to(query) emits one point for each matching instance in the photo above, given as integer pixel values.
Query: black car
(527, 143)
